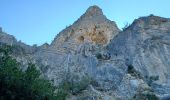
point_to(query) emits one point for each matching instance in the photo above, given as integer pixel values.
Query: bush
(81, 85)
(133, 72)
(125, 26)
(99, 56)
(145, 95)
(73, 87)
(151, 79)
(103, 56)
(18, 85)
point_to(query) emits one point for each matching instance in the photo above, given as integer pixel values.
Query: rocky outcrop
(74, 49)
(124, 65)
(92, 27)
(145, 46)
(6, 38)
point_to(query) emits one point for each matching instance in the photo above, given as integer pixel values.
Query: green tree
(18, 85)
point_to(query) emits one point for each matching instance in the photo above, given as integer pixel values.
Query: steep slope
(77, 45)
(92, 27)
(109, 63)
(145, 45)
(8, 39)
(21, 52)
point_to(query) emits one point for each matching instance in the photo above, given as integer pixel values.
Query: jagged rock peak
(91, 27)
(6, 38)
(150, 22)
(93, 11)
(153, 17)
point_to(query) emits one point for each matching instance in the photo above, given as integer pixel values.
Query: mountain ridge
(122, 64)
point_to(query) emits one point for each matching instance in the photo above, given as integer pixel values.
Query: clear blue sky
(39, 21)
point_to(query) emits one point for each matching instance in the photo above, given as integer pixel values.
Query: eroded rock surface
(120, 64)
(145, 46)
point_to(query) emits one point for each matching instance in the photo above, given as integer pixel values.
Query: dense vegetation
(18, 85)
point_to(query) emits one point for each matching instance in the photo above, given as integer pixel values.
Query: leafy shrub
(99, 56)
(145, 95)
(154, 78)
(63, 90)
(18, 85)
(151, 79)
(103, 56)
(131, 70)
(70, 86)
(81, 85)
(126, 26)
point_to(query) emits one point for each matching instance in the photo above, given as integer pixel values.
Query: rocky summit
(110, 64)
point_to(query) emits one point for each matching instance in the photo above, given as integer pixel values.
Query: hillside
(106, 62)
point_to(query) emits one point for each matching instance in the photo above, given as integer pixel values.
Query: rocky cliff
(128, 64)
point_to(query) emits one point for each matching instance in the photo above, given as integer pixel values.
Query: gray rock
(7, 39)
(0, 29)
(144, 45)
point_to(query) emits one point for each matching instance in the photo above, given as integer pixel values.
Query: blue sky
(39, 21)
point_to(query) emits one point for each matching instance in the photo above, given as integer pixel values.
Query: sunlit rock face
(8, 39)
(145, 45)
(92, 27)
(75, 48)
(121, 64)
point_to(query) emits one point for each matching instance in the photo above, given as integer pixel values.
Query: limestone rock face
(145, 45)
(120, 64)
(6, 38)
(74, 50)
(92, 27)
